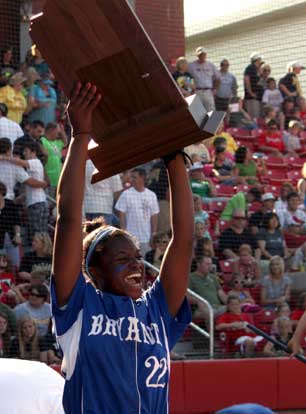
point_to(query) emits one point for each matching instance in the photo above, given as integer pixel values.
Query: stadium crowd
(249, 192)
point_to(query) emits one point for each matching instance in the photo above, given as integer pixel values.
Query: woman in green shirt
(246, 167)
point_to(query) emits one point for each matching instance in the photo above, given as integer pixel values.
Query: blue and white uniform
(116, 350)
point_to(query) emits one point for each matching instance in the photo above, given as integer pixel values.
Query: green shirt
(238, 201)
(249, 170)
(205, 286)
(53, 166)
(200, 187)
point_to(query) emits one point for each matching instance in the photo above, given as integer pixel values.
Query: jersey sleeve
(67, 315)
(21, 175)
(175, 326)
(154, 205)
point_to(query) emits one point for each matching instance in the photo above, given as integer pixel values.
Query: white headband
(98, 238)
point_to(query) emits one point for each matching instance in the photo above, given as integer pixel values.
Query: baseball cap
(294, 122)
(248, 408)
(200, 50)
(267, 196)
(196, 166)
(295, 64)
(255, 56)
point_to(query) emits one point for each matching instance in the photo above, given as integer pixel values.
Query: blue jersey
(116, 350)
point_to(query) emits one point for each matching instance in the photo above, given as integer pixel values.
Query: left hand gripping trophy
(142, 114)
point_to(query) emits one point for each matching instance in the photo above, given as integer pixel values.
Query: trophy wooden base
(142, 114)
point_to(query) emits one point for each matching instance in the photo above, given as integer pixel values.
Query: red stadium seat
(264, 319)
(294, 176)
(243, 188)
(224, 190)
(239, 132)
(224, 224)
(217, 206)
(275, 162)
(294, 163)
(275, 176)
(275, 190)
(248, 142)
(226, 266)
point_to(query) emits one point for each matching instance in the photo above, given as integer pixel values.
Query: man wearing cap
(206, 78)
(240, 201)
(8, 128)
(227, 87)
(199, 184)
(256, 220)
(289, 85)
(252, 89)
(12, 96)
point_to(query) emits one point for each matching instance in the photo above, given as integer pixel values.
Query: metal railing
(201, 331)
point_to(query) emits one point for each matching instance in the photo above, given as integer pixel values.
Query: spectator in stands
(298, 312)
(265, 72)
(42, 101)
(293, 219)
(36, 131)
(239, 289)
(246, 167)
(271, 241)
(288, 111)
(36, 200)
(12, 96)
(99, 198)
(5, 337)
(9, 226)
(6, 269)
(227, 87)
(6, 59)
(245, 267)
(8, 128)
(275, 288)
(289, 85)
(40, 256)
(252, 89)
(301, 103)
(37, 61)
(200, 150)
(39, 276)
(206, 78)
(236, 235)
(201, 230)
(224, 170)
(53, 142)
(284, 334)
(240, 201)
(238, 117)
(37, 308)
(231, 145)
(298, 263)
(292, 138)
(256, 219)
(199, 213)
(205, 283)
(271, 140)
(138, 210)
(220, 142)
(12, 174)
(29, 344)
(200, 184)
(160, 243)
(281, 203)
(183, 78)
(272, 96)
(205, 247)
(233, 322)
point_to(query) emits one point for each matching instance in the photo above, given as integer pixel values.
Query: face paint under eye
(121, 267)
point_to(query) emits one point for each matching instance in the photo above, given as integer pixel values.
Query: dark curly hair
(240, 154)
(266, 220)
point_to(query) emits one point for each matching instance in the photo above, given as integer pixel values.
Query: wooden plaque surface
(143, 114)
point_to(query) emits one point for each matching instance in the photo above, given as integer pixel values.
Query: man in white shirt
(30, 387)
(206, 78)
(8, 129)
(99, 198)
(138, 210)
(293, 219)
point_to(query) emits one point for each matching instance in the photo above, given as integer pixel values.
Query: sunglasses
(36, 295)
(238, 282)
(163, 241)
(239, 218)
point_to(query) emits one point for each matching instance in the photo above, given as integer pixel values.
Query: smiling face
(120, 270)
(28, 329)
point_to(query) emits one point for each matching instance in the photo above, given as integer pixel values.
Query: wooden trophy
(142, 114)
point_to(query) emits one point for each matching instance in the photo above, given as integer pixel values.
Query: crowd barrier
(205, 386)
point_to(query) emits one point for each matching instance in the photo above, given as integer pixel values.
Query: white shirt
(10, 129)
(139, 207)
(10, 175)
(35, 195)
(30, 387)
(273, 98)
(287, 218)
(99, 197)
(204, 74)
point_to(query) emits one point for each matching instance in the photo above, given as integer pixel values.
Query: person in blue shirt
(115, 337)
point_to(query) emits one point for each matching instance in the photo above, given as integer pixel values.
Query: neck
(139, 188)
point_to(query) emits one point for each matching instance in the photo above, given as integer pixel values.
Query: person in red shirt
(233, 324)
(271, 140)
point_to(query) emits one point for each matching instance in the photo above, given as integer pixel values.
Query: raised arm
(175, 266)
(68, 231)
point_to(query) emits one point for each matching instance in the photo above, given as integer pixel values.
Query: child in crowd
(242, 292)
(199, 213)
(272, 96)
(282, 311)
(271, 140)
(283, 335)
(292, 138)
